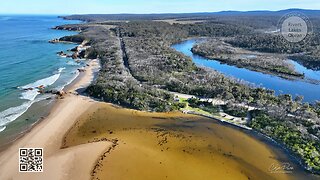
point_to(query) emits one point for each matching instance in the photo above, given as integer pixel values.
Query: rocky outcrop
(68, 28)
(81, 70)
(62, 54)
(60, 93)
(54, 41)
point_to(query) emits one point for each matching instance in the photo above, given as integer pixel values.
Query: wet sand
(39, 110)
(68, 163)
(173, 146)
(86, 139)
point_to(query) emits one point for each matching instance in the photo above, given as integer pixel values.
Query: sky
(65, 7)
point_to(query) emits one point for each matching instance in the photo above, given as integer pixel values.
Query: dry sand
(68, 163)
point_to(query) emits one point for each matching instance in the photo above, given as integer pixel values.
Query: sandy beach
(68, 163)
(86, 139)
(172, 146)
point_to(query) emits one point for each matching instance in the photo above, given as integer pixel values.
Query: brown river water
(178, 146)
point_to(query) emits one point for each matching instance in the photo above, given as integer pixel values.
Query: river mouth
(309, 91)
(176, 146)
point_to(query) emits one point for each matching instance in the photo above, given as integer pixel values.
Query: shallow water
(29, 61)
(177, 146)
(311, 92)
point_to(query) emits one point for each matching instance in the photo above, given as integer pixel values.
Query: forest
(139, 69)
(219, 49)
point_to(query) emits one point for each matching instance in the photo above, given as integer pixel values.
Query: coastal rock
(74, 49)
(81, 70)
(28, 89)
(68, 28)
(75, 55)
(54, 41)
(82, 54)
(61, 93)
(41, 87)
(56, 92)
(62, 54)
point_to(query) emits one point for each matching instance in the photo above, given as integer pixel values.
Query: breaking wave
(32, 89)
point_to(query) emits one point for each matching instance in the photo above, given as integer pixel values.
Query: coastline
(71, 86)
(162, 141)
(293, 156)
(76, 105)
(27, 103)
(73, 162)
(48, 134)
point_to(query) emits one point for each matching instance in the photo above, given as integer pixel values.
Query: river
(179, 146)
(310, 92)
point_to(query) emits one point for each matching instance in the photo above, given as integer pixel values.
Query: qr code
(30, 160)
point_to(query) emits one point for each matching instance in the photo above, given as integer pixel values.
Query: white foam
(77, 73)
(2, 128)
(13, 113)
(59, 88)
(45, 82)
(32, 94)
(61, 69)
(72, 63)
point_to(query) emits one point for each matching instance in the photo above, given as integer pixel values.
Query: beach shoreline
(49, 133)
(53, 100)
(79, 161)
(29, 92)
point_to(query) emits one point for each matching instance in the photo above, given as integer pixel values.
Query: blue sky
(146, 6)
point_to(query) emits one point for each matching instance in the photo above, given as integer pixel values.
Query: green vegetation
(290, 136)
(75, 38)
(203, 105)
(306, 51)
(316, 107)
(218, 49)
(138, 67)
(235, 110)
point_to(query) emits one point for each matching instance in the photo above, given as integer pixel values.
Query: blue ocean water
(27, 60)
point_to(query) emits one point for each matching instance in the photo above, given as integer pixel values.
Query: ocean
(27, 61)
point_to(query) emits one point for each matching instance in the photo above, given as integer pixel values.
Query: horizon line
(124, 13)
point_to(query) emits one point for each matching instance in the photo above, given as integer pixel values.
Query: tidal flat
(174, 146)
